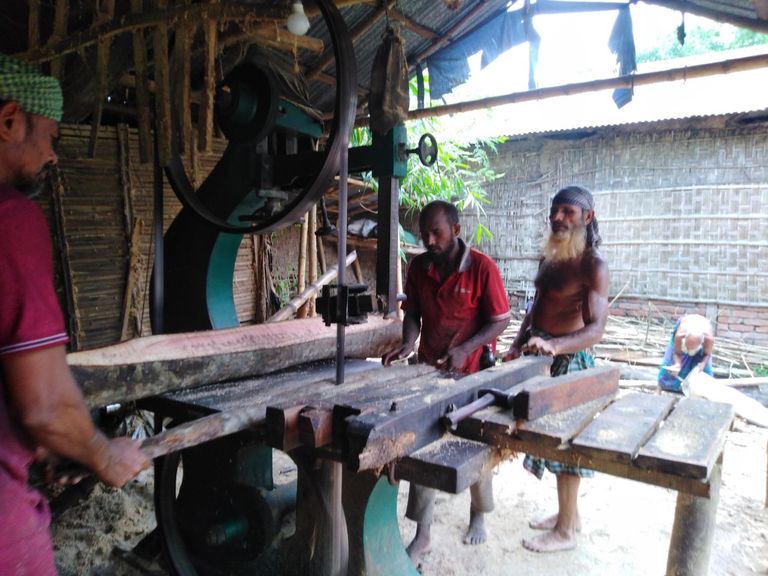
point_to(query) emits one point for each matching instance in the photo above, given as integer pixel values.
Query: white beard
(560, 247)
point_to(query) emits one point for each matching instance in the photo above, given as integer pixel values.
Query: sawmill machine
(218, 508)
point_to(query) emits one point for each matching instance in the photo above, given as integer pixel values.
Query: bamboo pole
(142, 88)
(162, 88)
(289, 309)
(60, 18)
(33, 26)
(301, 275)
(312, 256)
(134, 260)
(685, 73)
(105, 12)
(205, 122)
(185, 32)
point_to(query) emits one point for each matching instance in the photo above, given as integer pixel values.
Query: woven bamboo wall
(683, 212)
(101, 199)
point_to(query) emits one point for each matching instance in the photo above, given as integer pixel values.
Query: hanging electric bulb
(297, 22)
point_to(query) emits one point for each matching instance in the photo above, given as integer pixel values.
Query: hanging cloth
(622, 44)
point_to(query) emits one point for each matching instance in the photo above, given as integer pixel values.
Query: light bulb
(297, 22)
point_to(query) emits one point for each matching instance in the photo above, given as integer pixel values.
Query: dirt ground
(626, 530)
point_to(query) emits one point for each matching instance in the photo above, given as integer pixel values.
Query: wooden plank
(691, 439)
(451, 464)
(546, 395)
(620, 430)
(152, 365)
(381, 436)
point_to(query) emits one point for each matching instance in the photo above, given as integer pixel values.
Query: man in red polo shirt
(41, 407)
(456, 299)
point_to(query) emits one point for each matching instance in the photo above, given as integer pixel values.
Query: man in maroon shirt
(41, 407)
(456, 299)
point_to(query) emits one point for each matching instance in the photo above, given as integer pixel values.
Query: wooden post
(162, 89)
(205, 121)
(692, 533)
(312, 256)
(301, 273)
(142, 88)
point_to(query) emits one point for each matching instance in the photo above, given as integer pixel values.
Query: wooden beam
(414, 27)
(642, 79)
(358, 30)
(756, 24)
(169, 17)
(547, 395)
(316, 428)
(155, 364)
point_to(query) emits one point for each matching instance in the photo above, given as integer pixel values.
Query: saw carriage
(224, 398)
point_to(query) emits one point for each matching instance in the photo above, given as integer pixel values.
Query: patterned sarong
(561, 364)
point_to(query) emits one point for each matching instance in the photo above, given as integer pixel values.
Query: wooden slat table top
(677, 454)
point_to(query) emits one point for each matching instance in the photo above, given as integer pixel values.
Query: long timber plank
(619, 431)
(691, 439)
(381, 436)
(156, 364)
(559, 428)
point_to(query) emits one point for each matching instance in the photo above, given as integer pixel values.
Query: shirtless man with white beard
(568, 316)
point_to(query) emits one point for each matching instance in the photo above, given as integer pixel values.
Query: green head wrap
(34, 92)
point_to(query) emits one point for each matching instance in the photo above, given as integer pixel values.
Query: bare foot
(549, 523)
(476, 531)
(552, 541)
(420, 543)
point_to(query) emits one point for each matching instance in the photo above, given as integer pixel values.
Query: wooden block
(451, 464)
(316, 428)
(691, 439)
(545, 395)
(619, 431)
(283, 427)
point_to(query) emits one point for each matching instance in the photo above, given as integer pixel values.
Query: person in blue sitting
(689, 350)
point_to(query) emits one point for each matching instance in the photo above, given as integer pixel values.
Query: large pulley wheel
(258, 88)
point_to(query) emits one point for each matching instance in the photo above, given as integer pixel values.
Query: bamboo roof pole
(60, 18)
(713, 14)
(33, 26)
(133, 21)
(642, 79)
(104, 13)
(141, 87)
(162, 88)
(205, 121)
(301, 273)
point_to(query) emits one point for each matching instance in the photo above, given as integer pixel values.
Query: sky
(574, 48)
